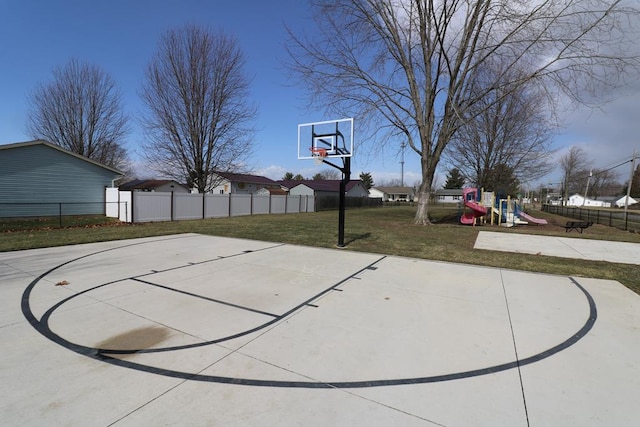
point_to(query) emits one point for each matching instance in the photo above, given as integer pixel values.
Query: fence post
(171, 210)
(60, 214)
(626, 220)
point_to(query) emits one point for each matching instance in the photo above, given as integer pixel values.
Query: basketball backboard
(332, 138)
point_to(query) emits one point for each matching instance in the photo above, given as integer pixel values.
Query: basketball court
(202, 330)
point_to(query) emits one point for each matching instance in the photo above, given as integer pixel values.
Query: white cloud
(274, 172)
(608, 136)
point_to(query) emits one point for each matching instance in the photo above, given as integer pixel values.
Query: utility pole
(402, 146)
(586, 190)
(633, 169)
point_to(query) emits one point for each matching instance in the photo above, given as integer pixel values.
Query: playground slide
(532, 219)
(477, 210)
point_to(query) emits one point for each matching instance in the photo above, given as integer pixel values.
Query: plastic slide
(468, 217)
(529, 218)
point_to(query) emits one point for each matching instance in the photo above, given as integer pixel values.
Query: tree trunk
(424, 195)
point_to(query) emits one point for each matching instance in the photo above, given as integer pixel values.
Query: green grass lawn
(388, 230)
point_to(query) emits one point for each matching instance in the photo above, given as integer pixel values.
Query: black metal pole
(346, 177)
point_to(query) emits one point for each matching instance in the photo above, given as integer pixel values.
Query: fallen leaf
(62, 283)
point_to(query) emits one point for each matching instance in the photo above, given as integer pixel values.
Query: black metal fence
(327, 203)
(22, 216)
(629, 220)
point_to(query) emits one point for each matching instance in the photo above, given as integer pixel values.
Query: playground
(502, 211)
(204, 330)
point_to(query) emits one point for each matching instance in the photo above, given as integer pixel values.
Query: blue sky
(121, 36)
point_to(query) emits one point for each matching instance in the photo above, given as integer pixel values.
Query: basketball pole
(346, 177)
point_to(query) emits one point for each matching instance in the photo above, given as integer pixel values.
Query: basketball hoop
(319, 154)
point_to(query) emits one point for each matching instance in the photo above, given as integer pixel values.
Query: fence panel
(151, 206)
(278, 204)
(118, 204)
(187, 206)
(240, 204)
(293, 204)
(261, 205)
(216, 205)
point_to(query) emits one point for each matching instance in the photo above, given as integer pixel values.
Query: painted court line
(365, 340)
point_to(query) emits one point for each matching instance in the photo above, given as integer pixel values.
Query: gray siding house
(38, 178)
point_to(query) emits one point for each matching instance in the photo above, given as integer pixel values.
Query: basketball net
(319, 154)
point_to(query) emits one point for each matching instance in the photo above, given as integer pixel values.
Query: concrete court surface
(564, 247)
(200, 330)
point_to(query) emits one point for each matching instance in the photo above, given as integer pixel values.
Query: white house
(448, 195)
(621, 201)
(238, 183)
(578, 200)
(392, 194)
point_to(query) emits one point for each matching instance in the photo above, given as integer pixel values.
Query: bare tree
(603, 183)
(81, 110)
(327, 174)
(575, 170)
(507, 127)
(405, 67)
(199, 118)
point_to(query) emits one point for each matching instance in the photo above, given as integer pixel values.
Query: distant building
(446, 195)
(159, 185)
(324, 187)
(392, 194)
(621, 201)
(238, 183)
(578, 200)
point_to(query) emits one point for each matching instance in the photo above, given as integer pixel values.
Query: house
(39, 178)
(325, 187)
(159, 185)
(578, 200)
(238, 183)
(623, 200)
(448, 195)
(271, 192)
(392, 194)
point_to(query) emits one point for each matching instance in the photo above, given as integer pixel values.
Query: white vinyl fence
(139, 206)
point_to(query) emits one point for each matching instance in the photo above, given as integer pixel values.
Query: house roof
(449, 192)
(395, 190)
(320, 184)
(241, 177)
(147, 184)
(55, 147)
(624, 199)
